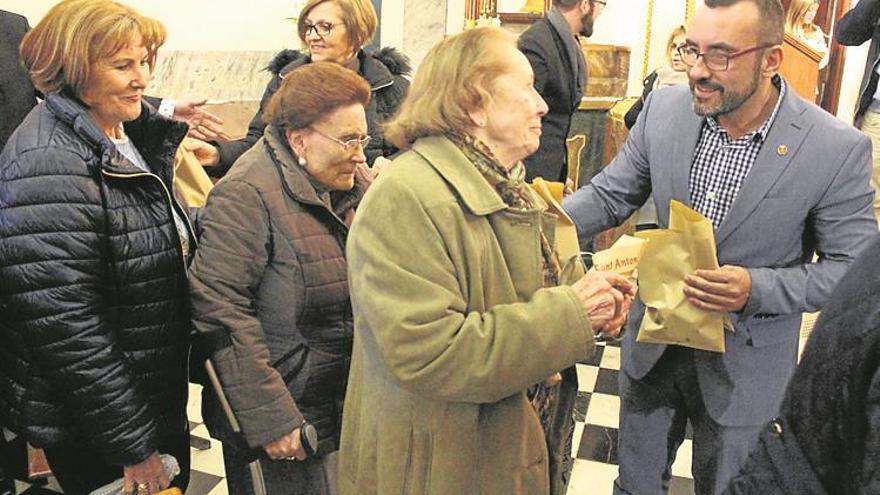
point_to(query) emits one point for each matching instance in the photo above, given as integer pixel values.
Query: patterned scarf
(516, 194)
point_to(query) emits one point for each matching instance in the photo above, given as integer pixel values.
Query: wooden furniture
(574, 146)
(600, 121)
(607, 69)
(800, 67)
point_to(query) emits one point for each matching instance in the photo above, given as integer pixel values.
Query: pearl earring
(302, 161)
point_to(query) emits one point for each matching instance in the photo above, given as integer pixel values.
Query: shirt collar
(761, 133)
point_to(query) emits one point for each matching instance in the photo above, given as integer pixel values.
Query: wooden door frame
(828, 19)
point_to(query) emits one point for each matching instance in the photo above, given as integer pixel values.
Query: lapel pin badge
(782, 150)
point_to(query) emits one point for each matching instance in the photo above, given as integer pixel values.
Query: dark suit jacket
(556, 81)
(859, 25)
(17, 94)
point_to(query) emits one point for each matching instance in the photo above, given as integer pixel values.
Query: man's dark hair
(771, 17)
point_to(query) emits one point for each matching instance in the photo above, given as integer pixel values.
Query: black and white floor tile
(596, 423)
(594, 446)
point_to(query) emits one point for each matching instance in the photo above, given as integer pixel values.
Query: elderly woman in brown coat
(269, 285)
(461, 304)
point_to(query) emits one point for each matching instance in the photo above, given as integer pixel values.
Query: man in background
(856, 27)
(17, 98)
(553, 50)
(17, 94)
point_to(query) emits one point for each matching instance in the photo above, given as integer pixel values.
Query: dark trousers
(6, 473)
(653, 416)
(81, 470)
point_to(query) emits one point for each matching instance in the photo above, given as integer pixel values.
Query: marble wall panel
(424, 26)
(214, 75)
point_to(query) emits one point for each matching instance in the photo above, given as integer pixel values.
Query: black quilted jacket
(93, 291)
(384, 70)
(826, 439)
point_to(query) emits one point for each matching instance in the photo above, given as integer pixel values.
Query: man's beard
(587, 25)
(730, 100)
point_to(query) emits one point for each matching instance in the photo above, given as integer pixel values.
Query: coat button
(776, 428)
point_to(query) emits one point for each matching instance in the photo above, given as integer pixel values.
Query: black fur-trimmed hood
(390, 59)
(397, 62)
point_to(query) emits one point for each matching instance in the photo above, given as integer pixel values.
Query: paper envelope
(622, 257)
(672, 254)
(190, 178)
(566, 239)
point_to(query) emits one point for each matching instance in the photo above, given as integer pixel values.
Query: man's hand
(606, 297)
(146, 477)
(206, 153)
(286, 448)
(726, 289)
(202, 125)
(612, 328)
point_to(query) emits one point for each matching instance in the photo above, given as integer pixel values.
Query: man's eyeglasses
(349, 144)
(601, 2)
(718, 60)
(321, 28)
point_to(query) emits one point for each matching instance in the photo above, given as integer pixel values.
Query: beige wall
(261, 25)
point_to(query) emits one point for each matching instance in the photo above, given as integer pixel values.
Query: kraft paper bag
(672, 254)
(190, 178)
(566, 239)
(622, 257)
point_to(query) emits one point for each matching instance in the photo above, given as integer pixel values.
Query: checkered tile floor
(595, 433)
(594, 446)
(595, 437)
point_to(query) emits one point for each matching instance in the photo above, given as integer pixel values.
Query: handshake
(607, 297)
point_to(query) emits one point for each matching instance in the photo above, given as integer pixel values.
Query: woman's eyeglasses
(321, 28)
(349, 144)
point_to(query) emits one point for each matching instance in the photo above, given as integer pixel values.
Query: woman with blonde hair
(463, 304)
(799, 23)
(93, 252)
(333, 31)
(674, 72)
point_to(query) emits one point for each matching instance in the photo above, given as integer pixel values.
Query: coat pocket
(418, 465)
(770, 330)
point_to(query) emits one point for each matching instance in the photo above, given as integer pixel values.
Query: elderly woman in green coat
(461, 303)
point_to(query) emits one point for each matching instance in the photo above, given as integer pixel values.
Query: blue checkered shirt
(721, 164)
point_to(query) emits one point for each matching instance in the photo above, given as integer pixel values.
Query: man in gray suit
(780, 180)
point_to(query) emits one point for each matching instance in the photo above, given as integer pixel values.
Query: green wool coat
(452, 325)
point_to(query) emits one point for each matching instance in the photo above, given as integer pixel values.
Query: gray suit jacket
(815, 197)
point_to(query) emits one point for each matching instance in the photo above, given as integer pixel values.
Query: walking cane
(308, 433)
(256, 469)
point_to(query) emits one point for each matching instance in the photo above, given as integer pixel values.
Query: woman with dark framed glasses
(270, 288)
(332, 31)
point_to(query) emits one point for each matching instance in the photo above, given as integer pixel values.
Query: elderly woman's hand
(145, 477)
(287, 448)
(206, 153)
(606, 297)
